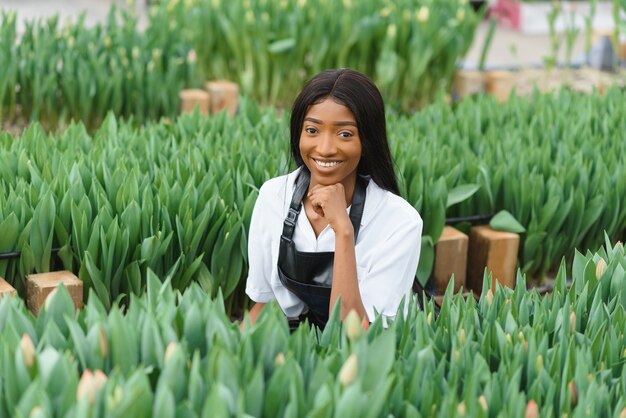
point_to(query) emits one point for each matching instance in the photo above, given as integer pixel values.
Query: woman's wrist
(344, 229)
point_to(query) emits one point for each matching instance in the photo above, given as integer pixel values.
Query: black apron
(309, 275)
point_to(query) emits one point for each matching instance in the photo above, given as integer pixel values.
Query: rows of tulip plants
(177, 198)
(511, 353)
(409, 47)
(54, 73)
(57, 72)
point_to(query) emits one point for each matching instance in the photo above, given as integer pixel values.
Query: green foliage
(56, 74)
(177, 198)
(487, 357)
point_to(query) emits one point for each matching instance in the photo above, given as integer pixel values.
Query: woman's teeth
(327, 163)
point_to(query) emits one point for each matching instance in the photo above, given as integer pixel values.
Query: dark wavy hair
(359, 94)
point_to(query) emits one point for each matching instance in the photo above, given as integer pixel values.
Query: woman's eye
(345, 134)
(310, 130)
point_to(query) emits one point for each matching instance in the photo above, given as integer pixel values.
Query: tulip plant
(409, 47)
(55, 73)
(176, 198)
(511, 353)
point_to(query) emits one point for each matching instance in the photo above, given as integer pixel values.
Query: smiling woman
(334, 229)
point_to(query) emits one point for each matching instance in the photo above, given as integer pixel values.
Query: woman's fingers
(328, 201)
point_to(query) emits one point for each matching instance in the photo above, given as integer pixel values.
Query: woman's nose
(327, 145)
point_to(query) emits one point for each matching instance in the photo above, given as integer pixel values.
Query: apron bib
(309, 275)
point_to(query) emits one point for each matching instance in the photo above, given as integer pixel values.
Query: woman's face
(330, 145)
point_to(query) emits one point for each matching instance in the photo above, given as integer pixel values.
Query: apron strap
(302, 185)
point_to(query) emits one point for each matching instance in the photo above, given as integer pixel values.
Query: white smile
(327, 164)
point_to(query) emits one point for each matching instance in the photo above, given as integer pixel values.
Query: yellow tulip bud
(572, 322)
(600, 268)
(352, 325)
(279, 360)
(115, 398)
(348, 371)
(169, 351)
(539, 362)
(422, 14)
(460, 15)
(28, 351)
(460, 409)
(37, 412)
(104, 347)
(462, 336)
(482, 401)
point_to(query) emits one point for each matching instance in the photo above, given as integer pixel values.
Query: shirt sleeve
(390, 277)
(258, 284)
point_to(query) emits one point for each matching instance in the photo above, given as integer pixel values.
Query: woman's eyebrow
(340, 123)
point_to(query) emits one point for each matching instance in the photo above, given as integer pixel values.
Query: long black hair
(359, 94)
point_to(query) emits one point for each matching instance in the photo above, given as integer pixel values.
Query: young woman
(335, 227)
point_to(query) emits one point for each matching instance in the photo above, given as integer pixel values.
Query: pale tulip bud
(429, 318)
(460, 409)
(482, 401)
(99, 379)
(539, 362)
(574, 393)
(600, 268)
(462, 336)
(460, 15)
(532, 411)
(279, 360)
(49, 298)
(352, 325)
(489, 296)
(115, 398)
(28, 351)
(169, 351)
(36, 412)
(520, 337)
(191, 56)
(348, 371)
(422, 14)
(508, 338)
(90, 384)
(104, 347)
(572, 322)
(623, 413)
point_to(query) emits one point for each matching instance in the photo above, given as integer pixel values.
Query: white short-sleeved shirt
(387, 248)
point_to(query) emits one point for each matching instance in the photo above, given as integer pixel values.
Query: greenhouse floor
(509, 48)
